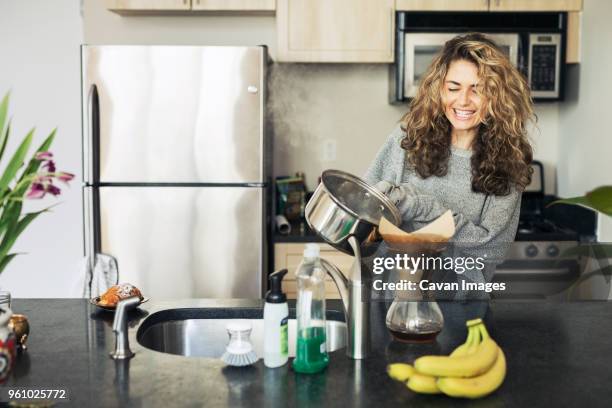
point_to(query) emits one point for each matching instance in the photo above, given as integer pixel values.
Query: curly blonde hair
(501, 151)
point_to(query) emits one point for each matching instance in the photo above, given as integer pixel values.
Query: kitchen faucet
(355, 301)
(120, 328)
(345, 211)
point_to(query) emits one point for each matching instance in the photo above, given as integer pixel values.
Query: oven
(542, 262)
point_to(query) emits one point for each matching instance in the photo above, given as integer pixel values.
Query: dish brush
(239, 351)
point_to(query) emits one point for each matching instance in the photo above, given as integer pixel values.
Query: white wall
(39, 64)
(586, 134)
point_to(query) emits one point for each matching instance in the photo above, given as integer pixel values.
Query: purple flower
(43, 155)
(49, 165)
(37, 190)
(53, 190)
(65, 177)
(43, 182)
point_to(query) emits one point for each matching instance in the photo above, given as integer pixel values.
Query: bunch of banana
(474, 369)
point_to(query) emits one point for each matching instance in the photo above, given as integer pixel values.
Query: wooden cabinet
(148, 5)
(573, 8)
(488, 5)
(234, 5)
(353, 31)
(535, 5)
(442, 5)
(161, 6)
(335, 30)
(572, 52)
(289, 255)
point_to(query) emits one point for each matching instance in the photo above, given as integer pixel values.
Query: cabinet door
(147, 5)
(535, 5)
(574, 22)
(234, 5)
(442, 5)
(335, 30)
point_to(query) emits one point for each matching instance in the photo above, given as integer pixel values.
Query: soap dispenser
(276, 319)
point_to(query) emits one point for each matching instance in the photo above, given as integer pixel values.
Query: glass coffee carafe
(414, 315)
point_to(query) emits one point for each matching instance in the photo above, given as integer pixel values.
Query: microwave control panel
(544, 64)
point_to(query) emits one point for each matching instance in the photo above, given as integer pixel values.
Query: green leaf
(15, 230)
(601, 199)
(4, 139)
(597, 251)
(34, 164)
(16, 162)
(47, 143)
(572, 201)
(3, 112)
(10, 217)
(5, 260)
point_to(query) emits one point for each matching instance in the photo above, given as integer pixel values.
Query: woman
(463, 146)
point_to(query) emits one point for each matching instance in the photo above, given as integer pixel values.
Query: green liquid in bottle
(311, 353)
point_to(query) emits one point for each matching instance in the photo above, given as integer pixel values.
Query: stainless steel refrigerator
(176, 167)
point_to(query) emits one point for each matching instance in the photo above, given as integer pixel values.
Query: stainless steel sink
(202, 332)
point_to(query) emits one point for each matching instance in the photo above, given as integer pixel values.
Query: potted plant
(600, 200)
(23, 177)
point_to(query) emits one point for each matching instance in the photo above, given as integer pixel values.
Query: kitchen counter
(558, 355)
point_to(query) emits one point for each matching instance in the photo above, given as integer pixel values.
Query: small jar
(8, 347)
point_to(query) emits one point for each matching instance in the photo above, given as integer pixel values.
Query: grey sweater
(485, 224)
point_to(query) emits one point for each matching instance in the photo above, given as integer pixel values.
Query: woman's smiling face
(461, 95)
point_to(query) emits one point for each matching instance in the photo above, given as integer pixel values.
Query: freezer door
(173, 114)
(178, 242)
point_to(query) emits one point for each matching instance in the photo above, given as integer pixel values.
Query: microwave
(534, 43)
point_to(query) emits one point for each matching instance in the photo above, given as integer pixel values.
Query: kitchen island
(558, 355)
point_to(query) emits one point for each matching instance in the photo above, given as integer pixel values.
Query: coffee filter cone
(431, 237)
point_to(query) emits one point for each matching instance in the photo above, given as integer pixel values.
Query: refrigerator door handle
(91, 224)
(91, 143)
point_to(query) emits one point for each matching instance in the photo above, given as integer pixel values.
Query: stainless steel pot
(343, 205)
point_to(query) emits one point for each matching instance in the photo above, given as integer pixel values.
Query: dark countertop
(558, 355)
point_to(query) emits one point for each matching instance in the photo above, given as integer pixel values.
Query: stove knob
(531, 251)
(552, 250)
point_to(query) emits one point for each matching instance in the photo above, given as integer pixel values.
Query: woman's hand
(393, 192)
(403, 196)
